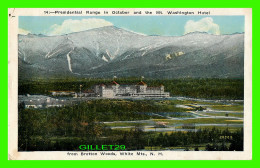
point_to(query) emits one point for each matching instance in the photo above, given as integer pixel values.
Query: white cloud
(69, 26)
(22, 31)
(204, 25)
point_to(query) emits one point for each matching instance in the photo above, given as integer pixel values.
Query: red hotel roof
(141, 83)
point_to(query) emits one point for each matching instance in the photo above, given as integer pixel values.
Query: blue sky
(149, 25)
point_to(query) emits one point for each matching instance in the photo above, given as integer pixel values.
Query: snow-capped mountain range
(111, 51)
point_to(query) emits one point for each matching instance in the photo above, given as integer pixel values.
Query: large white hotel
(139, 90)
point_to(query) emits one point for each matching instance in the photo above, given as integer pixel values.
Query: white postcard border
(13, 153)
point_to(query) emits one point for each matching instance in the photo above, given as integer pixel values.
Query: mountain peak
(109, 50)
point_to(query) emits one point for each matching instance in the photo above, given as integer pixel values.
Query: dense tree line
(65, 128)
(199, 88)
(82, 120)
(216, 139)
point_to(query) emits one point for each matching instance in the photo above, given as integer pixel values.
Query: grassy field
(201, 121)
(183, 102)
(223, 114)
(186, 121)
(237, 108)
(119, 124)
(231, 129)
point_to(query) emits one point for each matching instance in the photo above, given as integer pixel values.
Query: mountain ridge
(109, 51)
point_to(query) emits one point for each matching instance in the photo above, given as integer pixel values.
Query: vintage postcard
(130, 84)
